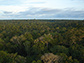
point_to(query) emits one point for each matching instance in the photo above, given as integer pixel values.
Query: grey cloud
(6, 12)
(37, 11)
(47, 13)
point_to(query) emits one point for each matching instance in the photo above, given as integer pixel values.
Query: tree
(77, 52)
(27, 45)
(59, 49)
(2, 44)
(18, 41)
(5, 57)
(66, 59)
(38, 61)
(51, 58)
(28, 36)
(20, 59)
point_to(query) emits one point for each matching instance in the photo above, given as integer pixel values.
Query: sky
(41, 9)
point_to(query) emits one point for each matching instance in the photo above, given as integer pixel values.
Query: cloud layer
(45, 13)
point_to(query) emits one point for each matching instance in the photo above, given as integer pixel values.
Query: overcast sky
(41, 9)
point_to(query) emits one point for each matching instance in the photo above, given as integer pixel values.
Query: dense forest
(41, 41)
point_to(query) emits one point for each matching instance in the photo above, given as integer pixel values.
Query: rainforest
(41, 41)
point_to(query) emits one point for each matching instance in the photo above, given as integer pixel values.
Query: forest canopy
(41, 41)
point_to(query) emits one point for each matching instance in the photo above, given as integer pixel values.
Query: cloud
(13, 8)
(45, 13)
(36, 2)
(5, 12)
(18, 5)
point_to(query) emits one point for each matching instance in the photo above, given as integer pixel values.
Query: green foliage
(11, 58)
(5, 57)
(77, 51)
(59, 49)
(42, 41)
(20, 59)
(38, 61)
(27, 46)
(39, 47)
(2, 43)
(75, 61)
(66, 59)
